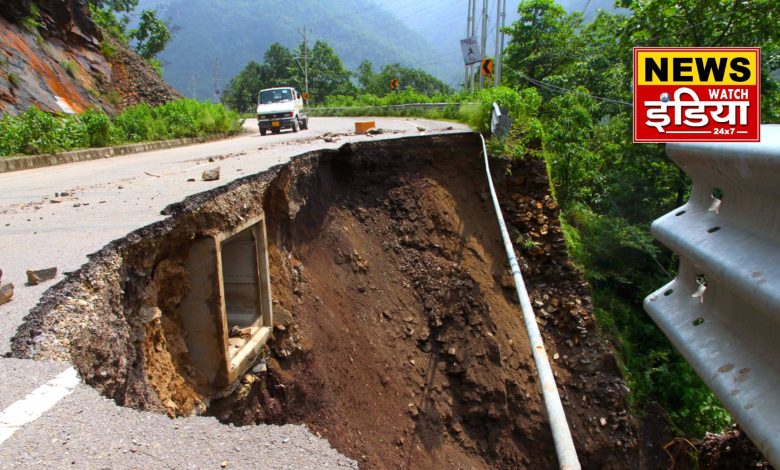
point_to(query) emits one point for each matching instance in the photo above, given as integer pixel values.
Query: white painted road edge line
(39, 401)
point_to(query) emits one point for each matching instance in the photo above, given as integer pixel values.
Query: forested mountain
(216, 39)
(443, 24)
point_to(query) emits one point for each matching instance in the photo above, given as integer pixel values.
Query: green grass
(70, 67)
(36, 132)
(14, 80)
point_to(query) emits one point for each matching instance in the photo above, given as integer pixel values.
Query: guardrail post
(722, 312)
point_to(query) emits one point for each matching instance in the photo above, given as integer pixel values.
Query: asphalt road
(105, 199)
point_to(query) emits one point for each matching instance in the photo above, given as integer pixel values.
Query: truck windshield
(275, 96)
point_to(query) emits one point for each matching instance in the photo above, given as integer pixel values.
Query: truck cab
(280, 108)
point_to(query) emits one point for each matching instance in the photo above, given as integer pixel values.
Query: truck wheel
(296, 125)
(263, 131)
(305, 125)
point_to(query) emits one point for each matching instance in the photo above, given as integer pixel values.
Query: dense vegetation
(329, 80)
(36, 132)
(611, 189)
(217, 38)
(148, 38)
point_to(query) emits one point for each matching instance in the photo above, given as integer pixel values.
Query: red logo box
(697, 94)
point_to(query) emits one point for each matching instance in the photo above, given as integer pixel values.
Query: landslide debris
(397, 335)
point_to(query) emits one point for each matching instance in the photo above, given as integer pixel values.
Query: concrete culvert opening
(386, 322)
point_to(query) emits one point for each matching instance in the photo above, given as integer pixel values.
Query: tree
(121, 6)
(280, 67)
(327, 75)
(151, 36)
(365, 75)
(240, 93)
(544, 40)
(712, 23)
(409, 78)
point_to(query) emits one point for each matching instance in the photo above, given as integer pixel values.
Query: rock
(283, 316)
(260, 367)
(42, 275)
(149, 314)
(211, 175)
(6, 292)
(376, 130)
(190, 180)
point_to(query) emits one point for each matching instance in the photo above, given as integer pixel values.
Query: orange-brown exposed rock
(59, 65)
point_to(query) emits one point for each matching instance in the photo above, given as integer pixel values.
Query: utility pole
(469, 20)
(216, 67)
(193, 87)
(472, 34)
(484, 38)
(501, 5)
(305, 63)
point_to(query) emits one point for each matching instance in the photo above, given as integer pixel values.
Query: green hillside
(215, 39)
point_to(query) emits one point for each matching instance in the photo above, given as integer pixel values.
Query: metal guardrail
(392, 106)
(722, 312)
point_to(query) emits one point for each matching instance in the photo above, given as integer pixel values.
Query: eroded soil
(397, 333)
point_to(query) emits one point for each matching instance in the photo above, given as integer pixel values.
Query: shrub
(70, 67)
(14, 80)
(136, 123)
(98, 127)
(38, 132)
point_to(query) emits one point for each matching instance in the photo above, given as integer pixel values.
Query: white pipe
(564, 445)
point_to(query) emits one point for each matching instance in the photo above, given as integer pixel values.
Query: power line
(560, 90)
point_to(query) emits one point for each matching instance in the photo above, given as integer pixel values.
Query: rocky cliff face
(56, 60)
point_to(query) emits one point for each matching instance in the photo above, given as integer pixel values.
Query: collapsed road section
(363, 291)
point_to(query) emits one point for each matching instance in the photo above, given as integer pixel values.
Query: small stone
(260, 367)
(190, 180)
(41, 275)
(283, 316)
(224, 464)
(55, 201)
(149, 314)
(6, 292)
(603, 421)
(248, 379)
(556, 356)
(211, 175)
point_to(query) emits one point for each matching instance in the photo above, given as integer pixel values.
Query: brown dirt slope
(408, 348)
(402, 343)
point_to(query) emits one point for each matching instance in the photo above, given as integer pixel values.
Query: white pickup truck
(280, 108)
